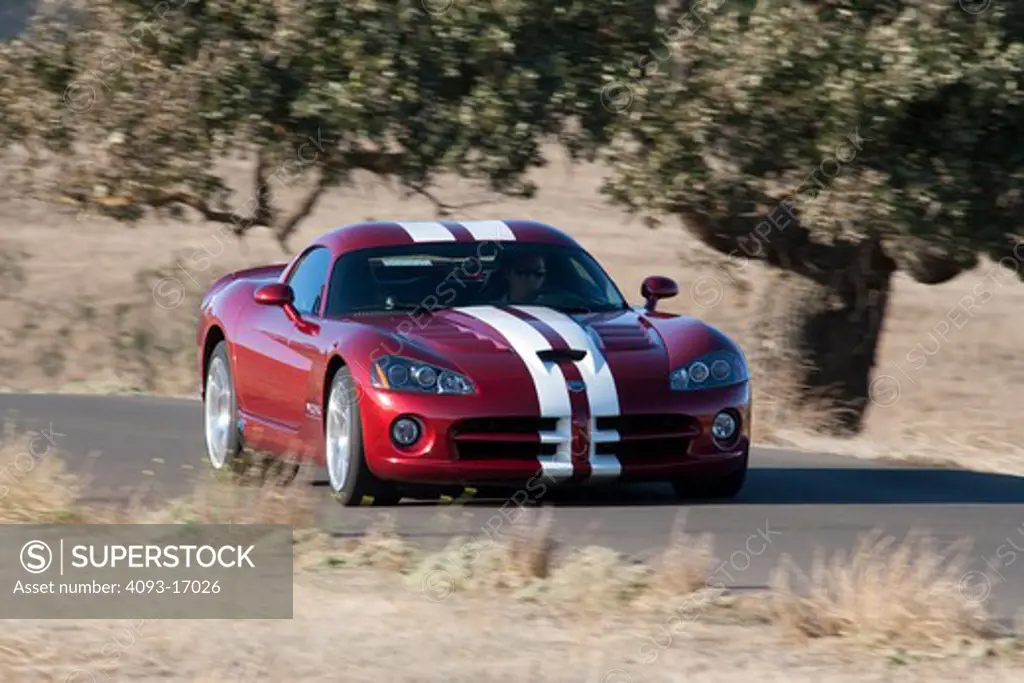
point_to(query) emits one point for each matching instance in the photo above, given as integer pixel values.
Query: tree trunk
(819, 336)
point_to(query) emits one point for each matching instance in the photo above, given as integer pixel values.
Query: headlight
(717, 369)
(405, 374)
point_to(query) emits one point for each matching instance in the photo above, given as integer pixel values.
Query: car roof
(392, 233)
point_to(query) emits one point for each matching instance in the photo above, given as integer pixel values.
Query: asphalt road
(792, 504)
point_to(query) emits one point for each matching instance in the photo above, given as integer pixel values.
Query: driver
(524, 277)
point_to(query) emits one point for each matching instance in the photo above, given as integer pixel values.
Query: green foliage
(750, 108)
(896, 120)
(141, 103)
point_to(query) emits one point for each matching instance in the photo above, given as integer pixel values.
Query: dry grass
(577, 603)
(360, 629)
(221, 499)
(688, 562)
(35, 489)
(883, 593)
(379, 548)
(530, 551)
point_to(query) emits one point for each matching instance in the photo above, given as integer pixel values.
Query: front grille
(645, 448)
(656, 435)
(503, 425)
(658, 425)
(502, 450)
(514, 438)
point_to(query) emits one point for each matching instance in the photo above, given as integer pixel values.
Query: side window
(308, 280)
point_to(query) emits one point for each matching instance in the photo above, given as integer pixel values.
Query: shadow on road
(888, 486)
(804, 486)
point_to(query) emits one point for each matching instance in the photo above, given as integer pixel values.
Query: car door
(274, 372)
(309, 283)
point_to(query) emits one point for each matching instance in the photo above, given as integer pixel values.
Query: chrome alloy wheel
(339, 441)
(217, 409)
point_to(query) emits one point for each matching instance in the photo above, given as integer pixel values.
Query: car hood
(499, 348)
(629, 335)
(471, 330)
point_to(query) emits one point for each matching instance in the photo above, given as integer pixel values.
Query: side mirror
(275, 294)
(657, 287)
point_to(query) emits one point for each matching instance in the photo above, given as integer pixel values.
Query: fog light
(405, 431)
(723, 429)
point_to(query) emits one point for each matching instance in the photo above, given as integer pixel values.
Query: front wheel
(220, 414)
(349, 476)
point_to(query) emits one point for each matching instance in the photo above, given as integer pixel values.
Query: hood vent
(555, 355)
(620, 337)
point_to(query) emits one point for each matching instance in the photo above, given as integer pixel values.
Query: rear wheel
(220, 415)
(349, 476)
(717, 487)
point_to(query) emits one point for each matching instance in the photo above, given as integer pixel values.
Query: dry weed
(485, 563)
(36, 489)
(531, 548)
(594, 580)
(687, 563)
(881, 594)
(786, 410)
(524, 565)
(221, 498)
(379, 548)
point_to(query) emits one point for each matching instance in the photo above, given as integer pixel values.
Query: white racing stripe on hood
(548, 380)
(485, 231)
(427, 231)
(601, 391)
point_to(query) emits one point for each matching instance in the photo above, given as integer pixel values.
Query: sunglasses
(523, 272)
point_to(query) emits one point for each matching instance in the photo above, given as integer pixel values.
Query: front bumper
(466, 442)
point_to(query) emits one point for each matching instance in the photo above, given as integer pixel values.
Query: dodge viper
(443, 354)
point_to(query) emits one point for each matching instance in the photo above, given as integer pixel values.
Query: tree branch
(772, 234)
(443, 208)
(157, 200)
(287, 228)
(264, 211)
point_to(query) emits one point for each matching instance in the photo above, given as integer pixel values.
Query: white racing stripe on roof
(427, 231)
(489, 230)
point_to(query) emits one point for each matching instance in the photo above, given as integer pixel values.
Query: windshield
(427, 277)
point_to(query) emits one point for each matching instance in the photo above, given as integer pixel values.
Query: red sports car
(475, 353)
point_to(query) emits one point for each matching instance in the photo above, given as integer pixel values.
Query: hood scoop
(624, 337)
(455, 337)
(555, 355)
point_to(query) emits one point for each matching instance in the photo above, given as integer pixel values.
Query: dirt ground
(345, 626)
(87, 304)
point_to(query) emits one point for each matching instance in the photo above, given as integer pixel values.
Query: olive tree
(837, 142)
(133, 105)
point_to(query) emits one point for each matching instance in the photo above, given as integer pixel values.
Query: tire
(348, 475)
(718, 487)
(220, 415)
